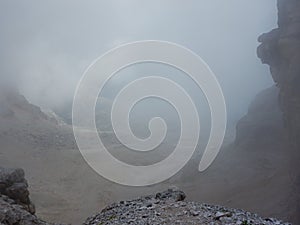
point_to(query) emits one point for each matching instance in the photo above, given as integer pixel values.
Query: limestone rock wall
(280, 49)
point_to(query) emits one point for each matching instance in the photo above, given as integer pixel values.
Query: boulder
(14, 185)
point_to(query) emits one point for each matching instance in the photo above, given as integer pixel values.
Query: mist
(78, 160)
(46, 46)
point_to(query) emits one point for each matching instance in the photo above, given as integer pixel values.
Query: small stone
(221, 214)
(194, 213)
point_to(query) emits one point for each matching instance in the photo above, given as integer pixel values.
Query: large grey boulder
(14, 185)
(15, 205)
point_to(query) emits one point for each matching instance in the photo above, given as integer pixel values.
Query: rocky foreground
(15, 205)
(169, 207)
(166, 207)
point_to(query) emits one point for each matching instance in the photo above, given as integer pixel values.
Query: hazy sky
(45, 46)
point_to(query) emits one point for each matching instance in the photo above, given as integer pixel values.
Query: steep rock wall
(280, 49)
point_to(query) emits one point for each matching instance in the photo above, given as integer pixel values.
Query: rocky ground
(166, 207)
(169, 207)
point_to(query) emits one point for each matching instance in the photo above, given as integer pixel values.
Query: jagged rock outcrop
(15, 205)
(280, 49)
(271, 129)
(12, 213)
(168, 207)
(14, 185)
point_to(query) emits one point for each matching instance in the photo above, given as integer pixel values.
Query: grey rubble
(169, 207)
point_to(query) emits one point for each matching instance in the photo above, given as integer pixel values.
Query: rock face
(12, 213)
(263, 125)
(271, 129)
(168, 207)
(14, 186)
(15, 205)
(280, 49)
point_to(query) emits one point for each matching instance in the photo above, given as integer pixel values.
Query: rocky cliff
(272, 124)
(280, 49)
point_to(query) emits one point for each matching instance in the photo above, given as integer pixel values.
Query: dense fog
(244, 155)
(46, 46)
